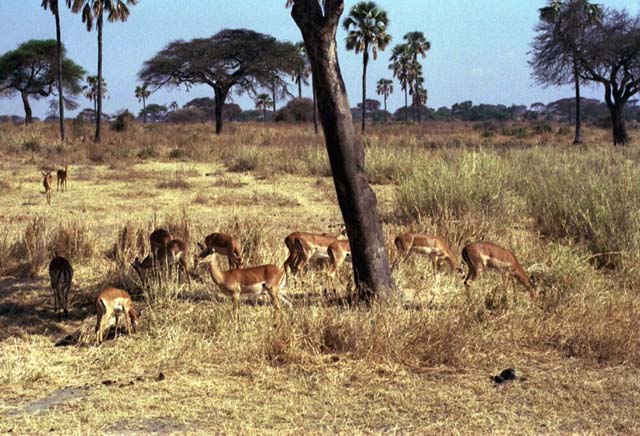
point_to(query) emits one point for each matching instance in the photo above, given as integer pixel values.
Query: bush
(123, 122)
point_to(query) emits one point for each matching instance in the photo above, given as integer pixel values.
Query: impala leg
(471, 276)
(56, 298)
(100, 327)
(275, 300)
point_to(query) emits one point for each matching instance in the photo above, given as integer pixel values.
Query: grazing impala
(339, 252)
(61, 275)
(432, 246)
(225, 245)
(158, 239)
(47, 182)
(480, 255)
(305, 247)
(175, 253)
(246, 281)
(61, 177)
(114, 302)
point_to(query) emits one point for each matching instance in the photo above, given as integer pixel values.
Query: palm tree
(401, 65)
(385, 89)
(53, 6)
(141, 94)
(263, 101)
(367, 30)
(302, 77)
(417, 44)
(580, 13)
(93, 10)
(91, 91)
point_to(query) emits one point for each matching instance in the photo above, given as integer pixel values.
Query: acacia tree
(610, 55)
(31, 70)
(560, 34)
(52, 5)
(401, 65)
(385, 89)
(318, 24)
(94, 10)
(367, 30)
(238, 58)
(417, 45)
(142, 93)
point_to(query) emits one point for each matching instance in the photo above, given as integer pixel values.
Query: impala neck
(214, 271)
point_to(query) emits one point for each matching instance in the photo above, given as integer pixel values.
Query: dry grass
(421, 365)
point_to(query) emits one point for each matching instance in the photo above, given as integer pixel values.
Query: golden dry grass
(419, 366)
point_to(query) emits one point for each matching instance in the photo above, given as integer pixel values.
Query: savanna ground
(420, 365)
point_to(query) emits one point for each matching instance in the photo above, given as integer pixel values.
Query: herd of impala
(304, 248)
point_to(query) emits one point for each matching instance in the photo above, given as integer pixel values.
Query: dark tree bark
(385, 107)
(99, 98)
(315, 107)
(144, 108)
(620, 135)
(365, 62)
(28, 114)
(406, 105)
(220, 95)
(273, 91)
(299, 87)
(357, 200)
(56, 14)
(578, 137)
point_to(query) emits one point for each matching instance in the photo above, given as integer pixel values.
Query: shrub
(123, 121)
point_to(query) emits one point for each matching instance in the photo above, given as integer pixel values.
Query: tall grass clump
(31, 247)
(591, 199)
(72, 240)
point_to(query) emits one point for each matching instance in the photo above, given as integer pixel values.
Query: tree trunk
(620, 135)
(99, 98)
(406, 105)
(299, 86)
(59, 55)
(274, 97)
(220, 95)
(28, 114)
(385, 107)
(264, 114)
(357, 200)
(578, 137)
(418, 103)
(315, 107)
(144, 109)
(365, 61)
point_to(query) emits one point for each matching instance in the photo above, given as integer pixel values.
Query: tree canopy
(232, 58)
(30, 70)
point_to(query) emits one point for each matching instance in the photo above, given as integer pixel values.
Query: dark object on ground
(508, 374)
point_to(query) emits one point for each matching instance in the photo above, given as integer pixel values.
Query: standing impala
(246, 281)
(158, 239)
(305, 247)
(61, 177)
(174, 253)
(47, 182)
(432, 246)
(339, 252)
(61, 275)
(226, 246)
(481, 255)
(114, 302)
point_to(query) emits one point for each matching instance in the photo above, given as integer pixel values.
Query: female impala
(339, 252)
(174, 253)
(47, 182)
(61, 275)
(226, 246)
(61, 177)
(110, 303)
(480, 255)
(245, 281)
(158, 239)
(305, 247)
(432, 246)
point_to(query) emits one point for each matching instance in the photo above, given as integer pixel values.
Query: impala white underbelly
(428, 251)
(319, 255)
(492, 262)
(252, 289)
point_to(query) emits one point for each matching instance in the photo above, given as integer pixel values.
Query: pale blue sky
(479, 47)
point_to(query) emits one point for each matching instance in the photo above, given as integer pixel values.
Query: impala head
(139, 267)
(135, 316)
(205, 255)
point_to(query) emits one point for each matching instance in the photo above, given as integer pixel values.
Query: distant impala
(432, 246)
